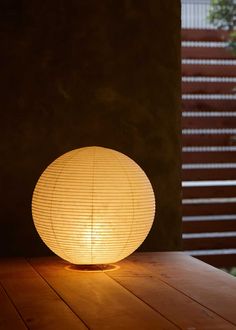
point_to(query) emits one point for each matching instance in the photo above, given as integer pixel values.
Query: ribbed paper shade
(93, 205)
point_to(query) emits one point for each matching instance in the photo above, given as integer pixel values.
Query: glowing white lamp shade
(93, 205)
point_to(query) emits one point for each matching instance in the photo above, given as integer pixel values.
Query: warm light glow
(93, 205)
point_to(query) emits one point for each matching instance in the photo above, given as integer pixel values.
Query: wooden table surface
(165, 290)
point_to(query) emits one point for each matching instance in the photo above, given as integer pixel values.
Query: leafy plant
(231, 271)
(232, 42)
(222, 14)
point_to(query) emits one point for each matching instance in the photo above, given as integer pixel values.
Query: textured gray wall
(79, 73)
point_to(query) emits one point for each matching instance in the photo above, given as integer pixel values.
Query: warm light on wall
(93, 205)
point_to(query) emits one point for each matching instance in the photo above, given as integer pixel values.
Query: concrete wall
(79, 73)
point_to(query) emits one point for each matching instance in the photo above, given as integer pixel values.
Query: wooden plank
(206, 243)
(209, 157)
(39, 306)
(203, 35)
(209, 226)
(207, 285)
(184, 311)
(221, 260)
(210, 109)
(208, 105)
(9, 317)
(208, 70)
(206, 53)
(208, 122)
(209, 174)
(209, 140)
(209, 192)
(208, 87)
(101, 302)
(209, 209)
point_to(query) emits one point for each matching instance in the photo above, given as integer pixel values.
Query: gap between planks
(127, 280)
(37, 304)
(210, 287)
(116, 308)
(207, 316)
(10, 317)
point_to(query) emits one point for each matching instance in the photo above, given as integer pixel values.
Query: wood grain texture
(205, 284)
(208, 87)
(101, 302)
(209, 209)
(208, 70)
(208, 122)
(209, 226)
(204, 35)
(209, 243)
(209, 174)
(207, 53)
(209, 192)
(9, 317)
(209, 140)
(149, 287)
(203, 60)
(39, 306)
(165, 290)
(209, 157)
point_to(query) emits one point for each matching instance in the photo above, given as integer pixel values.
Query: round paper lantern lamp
(93, 205)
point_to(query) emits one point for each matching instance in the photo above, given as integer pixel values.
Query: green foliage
(232, 42)
(231, 271)
(222, 14)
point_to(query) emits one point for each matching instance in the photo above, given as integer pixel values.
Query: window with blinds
(208, 138)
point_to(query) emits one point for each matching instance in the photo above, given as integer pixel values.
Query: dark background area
(80, 72)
